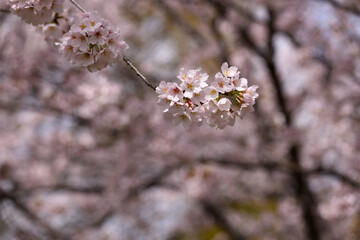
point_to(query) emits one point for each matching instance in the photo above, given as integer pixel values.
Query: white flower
(198, 98)
(165, 104)
(183, 118)
(211, 93)
(182, 74)
(228, 72)
(211, 106)
(224, 104)
(84, 59)
(78, 41)
(176, 108)
(52, 32)
(163, 89)
(175, 93)
(245, 109)
(99, 36)
(251, 94)
(240, 84)
(190, 86)
(221, 83)
(218, 119)
(197, 115)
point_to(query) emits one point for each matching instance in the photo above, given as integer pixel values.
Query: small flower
(199, 97)
(183, 118)
(221, 83)
(250, 95)
(165, 104)
(212, 107)
(52, 32)
(163, 89)
(175, 93)
(228, 72)
(211, 93)
(240, 84)
(224, 104)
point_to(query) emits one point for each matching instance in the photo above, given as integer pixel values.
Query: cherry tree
(88, 151)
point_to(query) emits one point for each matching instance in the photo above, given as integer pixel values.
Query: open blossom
(36, 12)
(92, 43)
(192, 82)
(217, 103)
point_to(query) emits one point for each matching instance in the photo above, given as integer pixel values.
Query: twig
(138, 73)
(77, 5)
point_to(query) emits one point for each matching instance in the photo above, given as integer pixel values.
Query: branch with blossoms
(217, 102)
(90, 41)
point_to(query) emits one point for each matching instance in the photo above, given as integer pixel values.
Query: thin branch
(138, 73)
(77, 5)
(128, 62)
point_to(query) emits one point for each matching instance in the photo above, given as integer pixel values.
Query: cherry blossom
(92, 43)
(36, 12)
(194, 101)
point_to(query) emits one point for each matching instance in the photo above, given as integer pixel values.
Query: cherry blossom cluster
(196, 99)
(92, 43)
(36, 12)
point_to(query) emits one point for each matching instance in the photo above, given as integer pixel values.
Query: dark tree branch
(158, 178)
(221, 11)
(338, 5)
(211, 210)
(32, 216)
(63, 187)
(307, 199)
(320, 171)
(5, 10)
(220, 220)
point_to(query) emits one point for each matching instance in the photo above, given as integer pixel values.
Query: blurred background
(89, 156)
